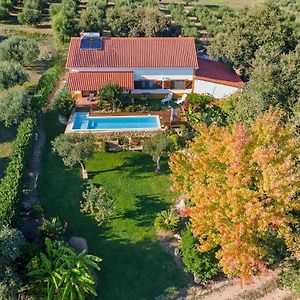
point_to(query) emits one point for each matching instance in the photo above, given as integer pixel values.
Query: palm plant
(63, 274)
(167, 221)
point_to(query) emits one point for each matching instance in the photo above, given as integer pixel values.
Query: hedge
(10, 185)
(45, 87)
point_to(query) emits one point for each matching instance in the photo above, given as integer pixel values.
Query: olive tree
(19, 49)
(12, 74)
(97, 202)
(14, 104)
(74, 148)
(31, 13)
(5, 7)
(158, 147)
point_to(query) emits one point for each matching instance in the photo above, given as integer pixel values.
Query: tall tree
(244, 185)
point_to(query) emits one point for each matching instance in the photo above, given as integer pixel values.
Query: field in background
(236, 4)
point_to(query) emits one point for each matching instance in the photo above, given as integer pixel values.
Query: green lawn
(134, 265)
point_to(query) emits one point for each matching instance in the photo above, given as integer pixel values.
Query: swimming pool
(81, 121)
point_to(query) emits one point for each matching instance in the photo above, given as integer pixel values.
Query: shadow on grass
(7, 134)
(139, 270)
(146, 209)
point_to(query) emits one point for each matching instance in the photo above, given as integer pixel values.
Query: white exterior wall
(216, 90)
(147, 73)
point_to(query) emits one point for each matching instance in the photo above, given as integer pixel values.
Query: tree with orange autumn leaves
(244, 184)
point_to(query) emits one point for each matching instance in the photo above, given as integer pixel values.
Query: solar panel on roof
(90, 43)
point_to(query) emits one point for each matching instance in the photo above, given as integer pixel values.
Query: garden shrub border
(11, 183)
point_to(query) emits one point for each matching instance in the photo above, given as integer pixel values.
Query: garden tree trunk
(84, 171)
(158, 164)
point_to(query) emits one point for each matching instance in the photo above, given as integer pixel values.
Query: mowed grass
(134, 265)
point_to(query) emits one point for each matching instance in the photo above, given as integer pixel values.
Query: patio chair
(181, 100)
(168, 98)
(90, 97)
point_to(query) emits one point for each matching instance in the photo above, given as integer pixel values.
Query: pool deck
(164, 117)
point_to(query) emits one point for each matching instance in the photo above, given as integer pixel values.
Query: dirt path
(35, 163)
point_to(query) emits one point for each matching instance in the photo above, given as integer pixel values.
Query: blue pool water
(83, 122)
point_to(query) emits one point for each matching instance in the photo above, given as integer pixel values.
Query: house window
(178, 84)
(148, 84)
(88, 93)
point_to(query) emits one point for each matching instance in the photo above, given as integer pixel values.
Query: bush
(11, 241)
(64, 103)
(167, 221)
(53, 228)
(45, 87)
(9, 284)
(204, 265)
(37, 211)
(97, 202)
(14, 105)
(31, 13)
(290, 277)
(19, 49)
(12, 74)
(102, 146)
(11, 183)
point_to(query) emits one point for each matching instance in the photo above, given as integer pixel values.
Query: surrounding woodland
(235, 165)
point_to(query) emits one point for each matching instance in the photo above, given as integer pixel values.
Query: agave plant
(167, 221)
(61, 273)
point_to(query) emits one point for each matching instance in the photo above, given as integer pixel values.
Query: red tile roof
(122, 52)
(92, 81)
(218, 72)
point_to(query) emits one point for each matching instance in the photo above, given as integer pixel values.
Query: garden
(134, 265)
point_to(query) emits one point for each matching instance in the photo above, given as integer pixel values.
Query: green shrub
(167, 221)
(11, 183)
(290, 277)
(53, 228)
(64, 103)
(37, 211)
(97, 202)
(45, 87)
(203, 265)
(103, 146)
(11, 242)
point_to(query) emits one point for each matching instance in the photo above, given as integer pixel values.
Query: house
(149, 65)
(216, 79)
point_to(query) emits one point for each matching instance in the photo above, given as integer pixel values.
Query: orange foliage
(243, 182)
